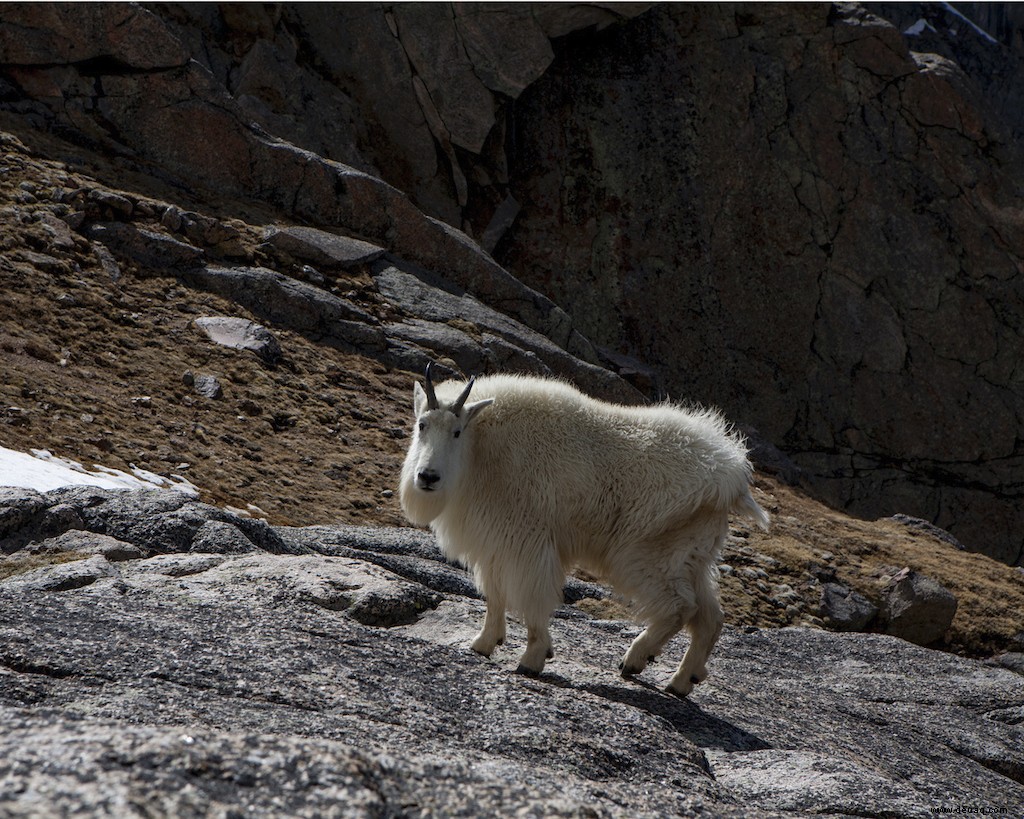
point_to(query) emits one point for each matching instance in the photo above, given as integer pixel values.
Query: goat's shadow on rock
(685, 716)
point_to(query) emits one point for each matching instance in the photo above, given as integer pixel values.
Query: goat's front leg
(493, 632)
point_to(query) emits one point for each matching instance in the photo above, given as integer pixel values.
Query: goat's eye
(457, 433)
(422, 426)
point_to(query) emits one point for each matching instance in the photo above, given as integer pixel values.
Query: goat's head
(441, 438)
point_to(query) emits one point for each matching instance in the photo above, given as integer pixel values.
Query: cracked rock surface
(331, 677)
(808, 215)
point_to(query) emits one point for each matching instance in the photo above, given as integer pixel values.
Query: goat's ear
(470, 410)
(419, 399)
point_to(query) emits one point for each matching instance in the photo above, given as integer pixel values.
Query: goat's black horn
(457, 406)
(431, 396)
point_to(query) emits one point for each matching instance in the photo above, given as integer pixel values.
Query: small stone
(108, 199)
(208, 386)
(249, 407)
(282, 421)
(783, 595)
(105, 257)
(313, 276)
(16, 417)
(75, 219)
(57, 231)
(1013, 660)
(171, 218)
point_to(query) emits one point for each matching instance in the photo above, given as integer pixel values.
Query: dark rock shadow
(703, 729)
(685, 716)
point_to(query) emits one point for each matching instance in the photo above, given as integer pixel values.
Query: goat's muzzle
(426, 478)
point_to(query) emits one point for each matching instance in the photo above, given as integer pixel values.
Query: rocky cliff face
(121, 81)
(167, 658)
(806, 215)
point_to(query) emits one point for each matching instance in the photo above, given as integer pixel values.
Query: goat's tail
(745, 506)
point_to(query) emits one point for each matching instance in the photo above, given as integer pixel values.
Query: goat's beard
(419, 506)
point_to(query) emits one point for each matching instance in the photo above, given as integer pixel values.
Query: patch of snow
(42, 470)
(918, 27)
(250, 511)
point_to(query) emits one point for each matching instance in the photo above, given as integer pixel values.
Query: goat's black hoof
(526, 672)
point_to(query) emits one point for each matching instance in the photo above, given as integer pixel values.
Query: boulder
(506, 343)
(289, 303)
(152, 252)
(917, 524)
(323, 249)
(155, 522)
(916, 607)
(241, 334)
(86, 543)
(20, 511)
(61, 577)
(333, 677)
(844, 609)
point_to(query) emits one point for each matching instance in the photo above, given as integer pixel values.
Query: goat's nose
(428, 477)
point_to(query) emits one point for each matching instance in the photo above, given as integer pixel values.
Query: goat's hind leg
(650, 642)
(705, 629)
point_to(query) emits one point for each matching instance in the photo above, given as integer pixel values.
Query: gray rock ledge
(225, 666)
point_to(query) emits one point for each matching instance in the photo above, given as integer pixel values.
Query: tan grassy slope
(806, 534)
(93, 363)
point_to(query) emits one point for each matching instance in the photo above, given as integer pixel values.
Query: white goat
(534, 478)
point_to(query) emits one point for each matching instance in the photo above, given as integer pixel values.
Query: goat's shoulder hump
(526, 389)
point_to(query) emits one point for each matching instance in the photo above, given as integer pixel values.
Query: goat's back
(545, 454)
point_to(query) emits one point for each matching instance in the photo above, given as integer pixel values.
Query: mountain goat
(533, 478)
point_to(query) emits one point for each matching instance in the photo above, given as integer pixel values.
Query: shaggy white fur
(533, 478)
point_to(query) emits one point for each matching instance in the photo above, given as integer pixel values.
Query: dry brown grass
(12, 565)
